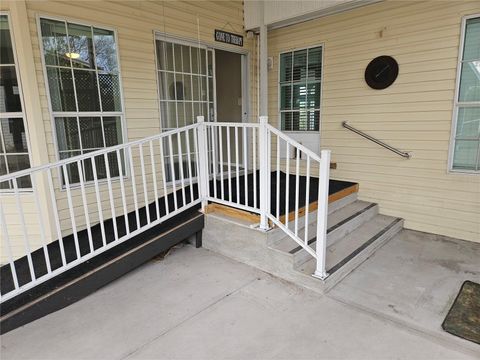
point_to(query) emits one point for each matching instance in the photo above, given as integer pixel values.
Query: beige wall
(414, 114)
(135, 23)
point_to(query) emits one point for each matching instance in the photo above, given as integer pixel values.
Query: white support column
(263, 105)
(264, 172)
(322, 214)
(203, 179)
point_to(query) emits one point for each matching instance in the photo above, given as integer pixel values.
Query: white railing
(241, 155)
(97, 201)
(90, 203)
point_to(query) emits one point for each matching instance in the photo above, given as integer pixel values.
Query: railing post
(264, 173)
(322, 214)
(202, 159)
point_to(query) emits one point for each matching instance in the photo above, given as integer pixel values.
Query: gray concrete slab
(413, 279)
(200, 305)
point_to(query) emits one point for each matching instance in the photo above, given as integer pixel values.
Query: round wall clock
(381, 72)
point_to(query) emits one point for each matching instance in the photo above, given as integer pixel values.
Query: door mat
(463, 319)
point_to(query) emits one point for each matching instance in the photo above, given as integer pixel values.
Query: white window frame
(78, 114)
(299, 132)
(17, 115)
(453, 131)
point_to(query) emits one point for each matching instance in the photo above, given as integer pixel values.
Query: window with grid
(14, 154)
(299, 87)
(84, 84)
(466, 149)
(185, 78)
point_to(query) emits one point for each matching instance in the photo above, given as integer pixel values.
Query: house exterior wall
(135, 23)
(414, 114)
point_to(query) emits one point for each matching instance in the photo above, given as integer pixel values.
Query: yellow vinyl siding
(414, 114)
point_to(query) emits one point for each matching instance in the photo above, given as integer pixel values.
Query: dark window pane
(55, 46)
(14, 137)
(313, 123)
(87, 90)
(470, 82)
(286, 67)
(81, 46)
(91, 132)
(6, 52)
(299, 96)
(315, 63)
(299, 65)
(17, 163)
(67, 133)
(71, 169)
(472, 40)
(9, 91)
(105, 50)
(466, 155)
(3, 171)
(113, 130)
(287, 121)
(313, 95)
(286, 97)
(110, 92)
(60, 84)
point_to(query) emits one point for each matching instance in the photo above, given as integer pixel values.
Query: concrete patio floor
(200, 305)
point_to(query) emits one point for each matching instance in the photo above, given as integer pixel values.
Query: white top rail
(92, 154)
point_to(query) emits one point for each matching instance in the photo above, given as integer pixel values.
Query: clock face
(381, 72)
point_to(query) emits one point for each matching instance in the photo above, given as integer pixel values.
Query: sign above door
(228, 37)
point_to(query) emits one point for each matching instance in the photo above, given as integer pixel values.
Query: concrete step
(275, 235)
(350, 251)
(340, 223)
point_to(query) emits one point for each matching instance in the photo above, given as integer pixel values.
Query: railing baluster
(85, 205)
(173, 175)
(229, 163)
(189, 159)
(297, 187)
(3, 226)
(245, 164)
(154, 177)
(55, 215)
(287, 182)
(180, 166)
(278, 178)
(214, 157)
(122, 190)
(134, 186)
(197, 159)
(110, 195)
(72, 212)
(41, 222)
(307, 199)
(220, 151)
(144, 182)
(164, 177)
(237, 164)
(254, 160)
(99, 202)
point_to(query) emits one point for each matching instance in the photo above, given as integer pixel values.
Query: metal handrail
(404, 154)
